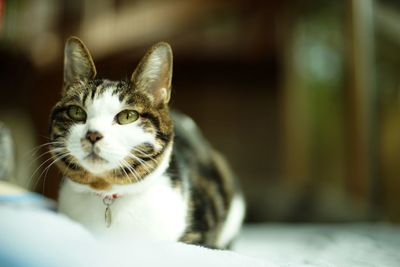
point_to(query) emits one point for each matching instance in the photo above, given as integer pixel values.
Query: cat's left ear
(153, 75)
(78, 63)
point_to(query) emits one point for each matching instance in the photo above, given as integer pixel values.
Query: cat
(131, 166)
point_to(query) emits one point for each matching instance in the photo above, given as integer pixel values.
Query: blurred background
(303, 97)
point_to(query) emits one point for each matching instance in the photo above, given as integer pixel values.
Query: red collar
(109, 197)
(108, 200)
(113, 196)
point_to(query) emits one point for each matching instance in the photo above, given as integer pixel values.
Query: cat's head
(112, 132)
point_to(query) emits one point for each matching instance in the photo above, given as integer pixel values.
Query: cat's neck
(128, 189)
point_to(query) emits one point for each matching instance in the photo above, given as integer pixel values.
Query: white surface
(49, 239)
(332, 245)
(35, 237)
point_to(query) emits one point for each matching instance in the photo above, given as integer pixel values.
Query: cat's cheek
(134, 135)
(73, 143)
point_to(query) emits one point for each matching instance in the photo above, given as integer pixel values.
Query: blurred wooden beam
(388, 21)
(362, 156)
(201, 28)
(139, 23)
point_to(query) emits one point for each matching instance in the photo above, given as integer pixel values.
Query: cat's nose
(93, 136)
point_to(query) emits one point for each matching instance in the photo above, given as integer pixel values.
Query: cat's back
(216, 207)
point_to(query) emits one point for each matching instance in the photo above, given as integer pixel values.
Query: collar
(108, 196)
(108, 200)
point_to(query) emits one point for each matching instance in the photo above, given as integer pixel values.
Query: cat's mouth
(93, 157)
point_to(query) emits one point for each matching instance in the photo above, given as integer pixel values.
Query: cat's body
(131, 167)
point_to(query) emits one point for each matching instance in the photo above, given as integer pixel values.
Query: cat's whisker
(123, 169)
(34, 181)
(33, 157)
(146, 166)
(43, 154)
(66, 153)
(36, 148)
(145, 154)
(144, 162)
(140, 150)
(45, 137)
(50, 150)
(53, 150)
(131, 170)
(137, 149)
(118, 152)
(123, 164)
(48, 168)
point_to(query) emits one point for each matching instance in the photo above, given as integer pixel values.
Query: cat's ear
(154, 73)
(78, 64)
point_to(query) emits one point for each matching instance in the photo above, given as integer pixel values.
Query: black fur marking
(73, 98)
(68, 163)
(93, 93)
(102, 89)
(151, 157)
(163, 137)
(174, 171)
(120, 89)
(56, 136)
(58, 113)
(201, 205)
(148, 147)
(84, 98)
(153, 119)
(121, 97)
(58, 145)
(130, 101)
(64, 126)
(98, 82)
(127, 171)
(210, 172)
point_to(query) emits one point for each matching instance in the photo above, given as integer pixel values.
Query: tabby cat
(132, 166)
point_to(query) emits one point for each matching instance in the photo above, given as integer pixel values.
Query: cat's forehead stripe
(97, 89)
(85, 93)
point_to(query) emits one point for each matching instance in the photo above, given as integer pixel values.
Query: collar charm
(108, 201)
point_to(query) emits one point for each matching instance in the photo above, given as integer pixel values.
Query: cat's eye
(76, 113)
(127, 116)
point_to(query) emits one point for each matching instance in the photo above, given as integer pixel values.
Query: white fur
(150, 209)
(233, 221)
(117, 139)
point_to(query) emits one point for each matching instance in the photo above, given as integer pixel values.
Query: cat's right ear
(78, 64)
(154, 73)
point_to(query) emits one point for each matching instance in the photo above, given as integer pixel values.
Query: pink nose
(93, 137)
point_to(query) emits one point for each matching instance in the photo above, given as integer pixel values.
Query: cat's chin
(95, 159)
(97, 167)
